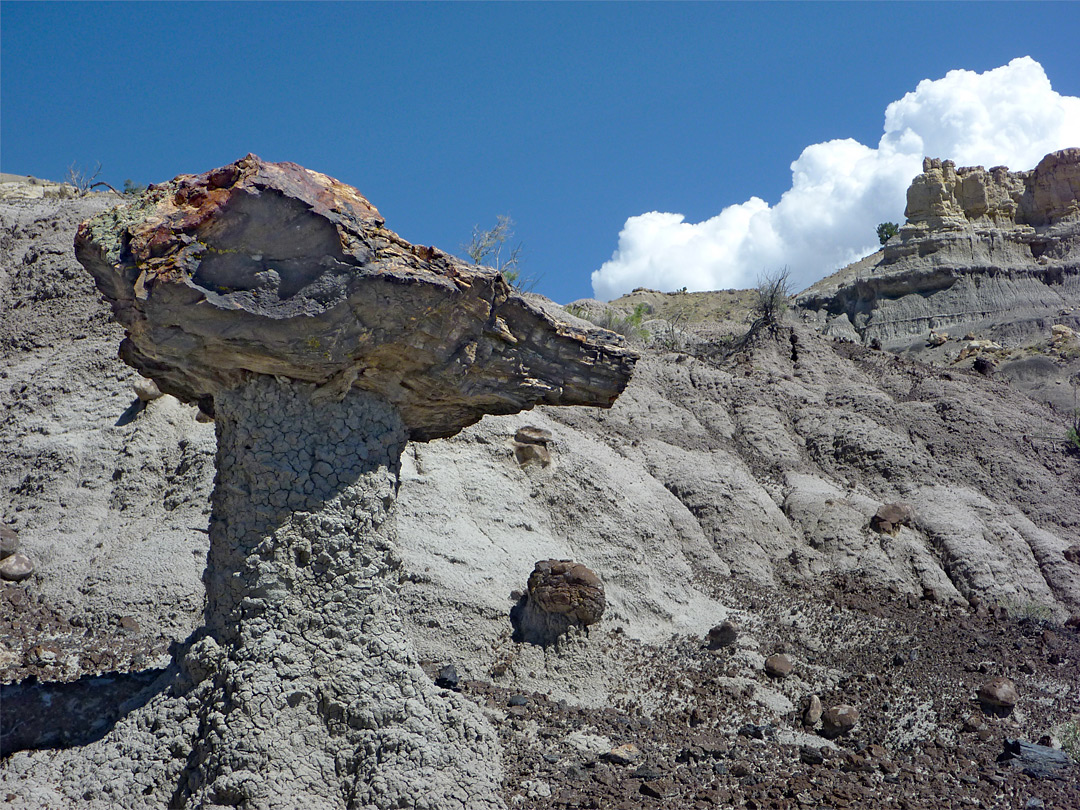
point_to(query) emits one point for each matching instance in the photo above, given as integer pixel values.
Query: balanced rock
(838, 720)
(270, 268)
(275, 299)
(16, 567)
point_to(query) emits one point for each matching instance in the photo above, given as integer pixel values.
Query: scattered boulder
(9, 541)
(1072, 554)
(561, 594)
(723, 634)
(891, 516)
(811, 710)
(1036, 761)
(937, 338)
(1061, 333)
(838, 720)
(778, 665)
(975, 347)
(998, 695)
(16, 567)
(984, 365)
(567, 588)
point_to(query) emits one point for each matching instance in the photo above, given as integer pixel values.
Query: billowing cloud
(842, 189)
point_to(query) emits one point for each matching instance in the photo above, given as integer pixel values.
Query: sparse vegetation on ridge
(629, 326)
(886, 231)
(487, 248)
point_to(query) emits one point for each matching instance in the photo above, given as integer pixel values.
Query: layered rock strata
(274, 296)
(269, 268)
(990, 251)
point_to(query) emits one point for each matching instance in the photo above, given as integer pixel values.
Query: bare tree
(487, 248)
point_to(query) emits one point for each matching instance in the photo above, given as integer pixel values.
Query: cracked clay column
(317, 694)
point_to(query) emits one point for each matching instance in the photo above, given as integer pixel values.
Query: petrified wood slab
(271, 268)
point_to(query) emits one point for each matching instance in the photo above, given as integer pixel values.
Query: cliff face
(987, 251)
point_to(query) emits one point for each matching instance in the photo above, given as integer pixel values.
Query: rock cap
(271, 268)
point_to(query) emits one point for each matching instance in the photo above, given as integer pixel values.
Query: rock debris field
(807, 573)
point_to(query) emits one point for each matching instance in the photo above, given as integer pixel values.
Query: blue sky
(574, 119)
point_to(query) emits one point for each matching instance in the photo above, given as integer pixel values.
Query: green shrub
(886, 231)
(1069, 734)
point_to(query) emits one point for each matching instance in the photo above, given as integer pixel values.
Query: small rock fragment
(448, 677)
(839, 719)
(778, 665)
(129, 624)
(659, 788)
(998, 695)
(626, 754)
(723, 635)
(810, 755)
(891, 516)
(146, 390)
(16, 567)
(9, 541)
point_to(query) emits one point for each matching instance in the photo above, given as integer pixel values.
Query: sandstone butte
(274, 297)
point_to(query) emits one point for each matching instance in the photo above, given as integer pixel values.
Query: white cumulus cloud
(840, 190)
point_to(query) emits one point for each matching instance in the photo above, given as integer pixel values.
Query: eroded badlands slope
(739, 489)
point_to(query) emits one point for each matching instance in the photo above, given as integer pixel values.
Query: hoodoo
(322, 342)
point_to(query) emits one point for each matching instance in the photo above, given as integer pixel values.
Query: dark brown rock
(723, 634)
(530, 434)
(778, 665)
(270, 268)
(659, 788)
(999, 693)
(567, 588)
(838, 720)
